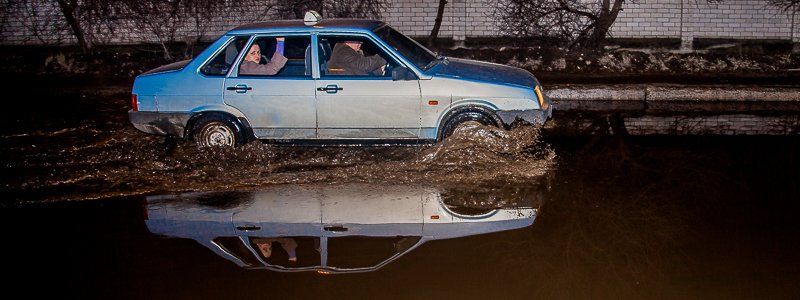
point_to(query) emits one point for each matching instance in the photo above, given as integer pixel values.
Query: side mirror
(402, 73)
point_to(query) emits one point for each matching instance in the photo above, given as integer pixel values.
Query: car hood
(484, 71)
(176, 66)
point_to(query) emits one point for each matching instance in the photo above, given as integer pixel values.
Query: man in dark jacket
(348, 59)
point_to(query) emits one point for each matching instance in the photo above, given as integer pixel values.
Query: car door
(278, 106)
(368, 230)
(371, 106)
(280, 212)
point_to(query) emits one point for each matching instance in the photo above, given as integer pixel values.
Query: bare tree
(93, 22)
(787, 5)
(41, 18)
(296, 9)
(584, 23)
(437, 23)
(164, 21)
(5, 12)
(69, 8)
(371, 9)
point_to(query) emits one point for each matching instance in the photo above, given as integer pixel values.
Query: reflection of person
(288, 244)
(348, 59)
(251, 66)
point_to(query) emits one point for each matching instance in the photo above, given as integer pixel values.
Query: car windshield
(419, 55)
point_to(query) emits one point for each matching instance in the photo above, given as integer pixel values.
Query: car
(417, 96)
(348, 228)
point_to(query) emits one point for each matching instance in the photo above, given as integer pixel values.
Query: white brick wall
(686, 19)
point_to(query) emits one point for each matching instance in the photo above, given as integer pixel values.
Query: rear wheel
(217, 132)
(465, 118)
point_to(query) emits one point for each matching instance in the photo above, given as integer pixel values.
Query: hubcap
(216, 135)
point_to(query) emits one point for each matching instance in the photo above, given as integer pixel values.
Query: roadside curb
(674, 98)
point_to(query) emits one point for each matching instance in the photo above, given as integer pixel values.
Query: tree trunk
(604, 21)
(437, 24)
(68, 8)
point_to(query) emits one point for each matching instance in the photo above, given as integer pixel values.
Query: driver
(348, 59)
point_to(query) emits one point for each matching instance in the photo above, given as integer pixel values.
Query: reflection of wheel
(214, 131)
(465, 211)
(464, 118)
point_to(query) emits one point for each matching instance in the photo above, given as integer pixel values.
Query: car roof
(298, 25)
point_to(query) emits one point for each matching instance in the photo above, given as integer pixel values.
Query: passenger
(265, 246)
(251, 66)
(348, 59)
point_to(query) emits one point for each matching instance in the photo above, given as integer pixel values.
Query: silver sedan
(331, 80)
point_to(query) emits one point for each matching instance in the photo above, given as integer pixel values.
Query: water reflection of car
(417, 95)
(328, 229)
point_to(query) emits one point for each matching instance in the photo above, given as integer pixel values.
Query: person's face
(254, 54)
(355, 45)
(266, 249)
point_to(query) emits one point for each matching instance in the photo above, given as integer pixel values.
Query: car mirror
(402, 73)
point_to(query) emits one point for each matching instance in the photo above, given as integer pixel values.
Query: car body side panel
(276, 107)
(496, 97)
(433, 90)
(369, 108)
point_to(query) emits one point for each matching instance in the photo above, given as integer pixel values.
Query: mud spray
(107, 159)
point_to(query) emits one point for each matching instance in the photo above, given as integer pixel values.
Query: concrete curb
(674, 98)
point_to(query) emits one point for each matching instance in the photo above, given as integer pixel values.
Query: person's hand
(281, 39)
(383, 70)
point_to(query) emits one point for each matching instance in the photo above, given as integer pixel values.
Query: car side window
(222, 62)
(353, 56)
(288, 252)
(366, 251)
(233, 246)
(277, 57)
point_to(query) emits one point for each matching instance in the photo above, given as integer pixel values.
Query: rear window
(222, 62)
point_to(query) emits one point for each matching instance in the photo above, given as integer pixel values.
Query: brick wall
(39, 21)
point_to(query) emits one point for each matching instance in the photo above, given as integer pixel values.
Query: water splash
(103, 160)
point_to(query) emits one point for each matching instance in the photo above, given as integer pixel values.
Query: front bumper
(532, 116)
(160, 123)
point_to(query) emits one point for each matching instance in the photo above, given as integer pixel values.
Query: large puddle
(88, 150)
(488, 214)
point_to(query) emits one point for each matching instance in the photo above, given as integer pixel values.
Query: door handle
(248, 228)
(337, 228)
(239, 88)
(330, 89)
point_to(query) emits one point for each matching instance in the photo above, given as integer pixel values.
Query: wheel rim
(217, 135)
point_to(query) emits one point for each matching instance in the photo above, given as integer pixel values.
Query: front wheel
(215, 133)
(470, 117)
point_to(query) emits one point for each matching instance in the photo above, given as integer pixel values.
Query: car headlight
(540, 97)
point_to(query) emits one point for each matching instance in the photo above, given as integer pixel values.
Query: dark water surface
(638, 218)
(91, 208)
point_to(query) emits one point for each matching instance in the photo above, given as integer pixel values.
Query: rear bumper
(160, 123)
(532, 116)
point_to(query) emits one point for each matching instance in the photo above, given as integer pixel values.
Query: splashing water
(98, 160)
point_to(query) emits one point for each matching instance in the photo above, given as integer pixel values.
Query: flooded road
(592, 217)
(78, 144)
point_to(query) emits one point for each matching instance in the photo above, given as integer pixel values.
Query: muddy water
(648, 217)
(83, 147)
(620, 218)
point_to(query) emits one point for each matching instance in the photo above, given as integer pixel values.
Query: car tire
(213, 131)
(465, 117)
